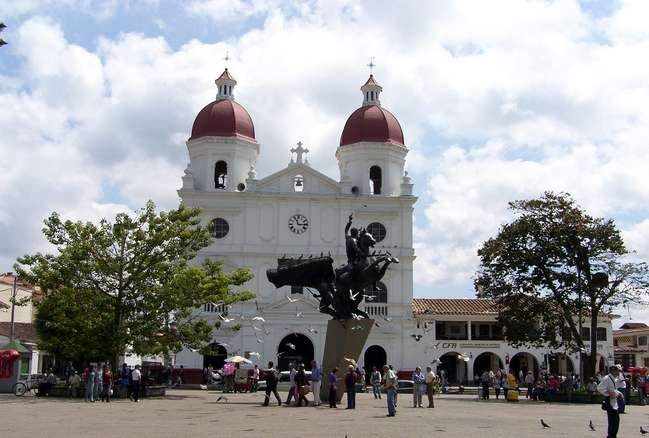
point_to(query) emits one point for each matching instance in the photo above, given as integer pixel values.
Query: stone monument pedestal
(344, 340)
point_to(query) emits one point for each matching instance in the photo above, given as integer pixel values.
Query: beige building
(464, 336)
(630, 344)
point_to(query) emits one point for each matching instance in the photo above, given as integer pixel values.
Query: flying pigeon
(223, 344)
(312, 330)
(258, 318)
(298, 314)
(592, 427)
(292, 301)
(289, 345)
(544, 424)
(259, 340)
(226, 319)
(416, 337)
(222, 398)
(357, 327)
(389, 318)
(642, 431)
(254, 353)
(351, 361)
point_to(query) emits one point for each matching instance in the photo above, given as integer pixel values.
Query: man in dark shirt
(350, 384)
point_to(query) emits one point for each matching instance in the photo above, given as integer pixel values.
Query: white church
(299, 211)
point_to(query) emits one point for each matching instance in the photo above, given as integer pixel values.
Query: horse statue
(340, 291)
(351, 286)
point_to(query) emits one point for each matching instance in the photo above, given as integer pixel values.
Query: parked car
(405, 386)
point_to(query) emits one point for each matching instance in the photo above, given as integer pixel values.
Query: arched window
(375, 180)
(378, 294)
(601, 334)
(220, 174)
(298, 183)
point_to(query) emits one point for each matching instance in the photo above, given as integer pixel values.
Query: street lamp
(13, 307)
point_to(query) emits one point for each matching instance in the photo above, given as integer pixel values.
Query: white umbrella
(237, 359)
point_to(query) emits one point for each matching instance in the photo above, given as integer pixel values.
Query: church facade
(298, 212)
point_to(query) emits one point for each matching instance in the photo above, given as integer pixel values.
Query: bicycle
(21, 388)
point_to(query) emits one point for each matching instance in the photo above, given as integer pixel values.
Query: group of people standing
(100, 383)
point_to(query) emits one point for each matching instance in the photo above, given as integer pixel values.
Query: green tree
(552, 269)
(128, 284)
(2, 27)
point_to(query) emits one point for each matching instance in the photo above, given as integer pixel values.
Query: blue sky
(498, 101)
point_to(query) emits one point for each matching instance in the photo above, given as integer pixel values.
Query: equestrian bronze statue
(341, 290)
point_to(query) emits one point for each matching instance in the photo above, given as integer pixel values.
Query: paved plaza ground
(186, 413)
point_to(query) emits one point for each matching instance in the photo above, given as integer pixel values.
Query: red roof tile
(23, 331)
(454, 306)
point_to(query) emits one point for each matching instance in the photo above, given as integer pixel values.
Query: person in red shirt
(553, 387)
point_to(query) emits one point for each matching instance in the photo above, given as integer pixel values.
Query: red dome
(223, 118)
(374, 124)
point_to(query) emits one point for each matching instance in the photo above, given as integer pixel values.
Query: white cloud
(498, 100)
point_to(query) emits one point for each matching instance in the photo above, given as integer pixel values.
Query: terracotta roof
(9, 279)
(454, 306)
(630, 331)
(23, 331)
(3, 305)
(634, 325)
(226, 75)
(371, 81)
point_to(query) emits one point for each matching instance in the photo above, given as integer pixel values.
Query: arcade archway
(375, 356)
(525, 362)
(487, 362)
(217, 360)
(295, 348)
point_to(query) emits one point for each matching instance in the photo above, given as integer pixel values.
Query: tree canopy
(553, 265)
(127, 284)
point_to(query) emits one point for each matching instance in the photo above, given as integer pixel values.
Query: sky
(498, 101)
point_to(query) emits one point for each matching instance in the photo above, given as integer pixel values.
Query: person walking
(333, 387)
(350, 385)
(90, 384)
(107, 380)
(255, 378)
(316, 377)
(302, 385)
(430, 386)
(418, 387)
(99, 381)
(271, 376)
(390, 379)
(291, 377)
(608, 387)
(375, 379)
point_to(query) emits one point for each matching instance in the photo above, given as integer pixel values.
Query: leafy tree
(2, 42)
(128, 284)
(552, 269)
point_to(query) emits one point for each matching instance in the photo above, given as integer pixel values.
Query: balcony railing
(214, 308)
(376, 309)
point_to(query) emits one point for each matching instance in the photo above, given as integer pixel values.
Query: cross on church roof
(371, 65)
(227, 58)
(299, 151)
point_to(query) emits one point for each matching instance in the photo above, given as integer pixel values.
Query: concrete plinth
(344, 340)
